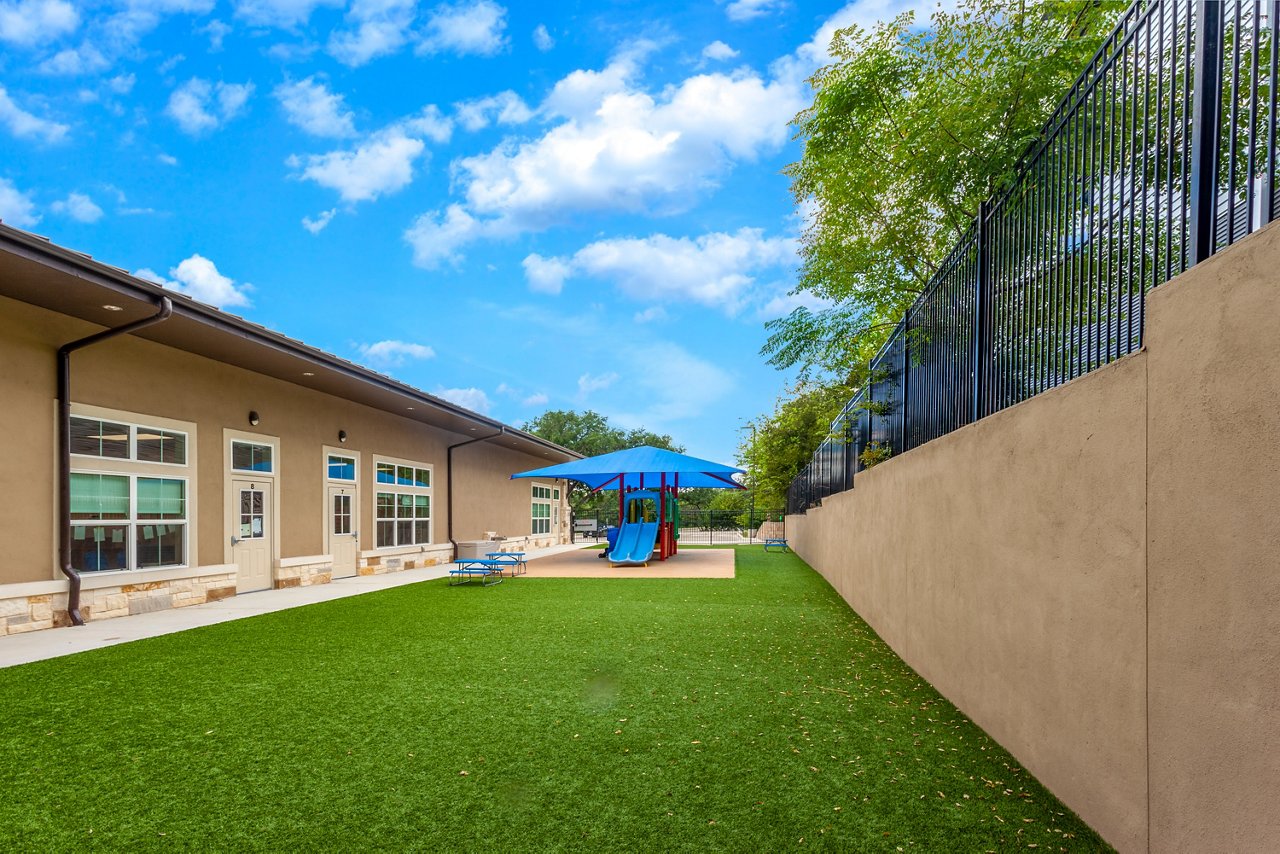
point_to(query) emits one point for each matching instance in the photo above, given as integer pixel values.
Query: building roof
(35, 270)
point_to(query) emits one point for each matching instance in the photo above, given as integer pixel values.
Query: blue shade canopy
(645, 462)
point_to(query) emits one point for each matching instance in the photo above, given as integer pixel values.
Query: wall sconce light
(253, 418)
(342, 436)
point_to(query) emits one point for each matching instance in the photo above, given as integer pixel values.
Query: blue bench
(778, 543)
(485, 568)
(515, 560)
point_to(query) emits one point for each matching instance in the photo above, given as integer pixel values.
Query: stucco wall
(135, 375)
(1005, 563)
(1213, 531)
(1027, 563)
(502, 505)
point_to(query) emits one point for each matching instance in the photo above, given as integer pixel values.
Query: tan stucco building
(207, 456)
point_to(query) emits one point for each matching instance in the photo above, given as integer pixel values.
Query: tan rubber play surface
(690, 563)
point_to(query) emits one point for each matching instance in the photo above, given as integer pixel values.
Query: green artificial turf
(752, 714)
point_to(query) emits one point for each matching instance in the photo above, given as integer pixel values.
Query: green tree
(781, 443)
(910, 129)
(590, 434)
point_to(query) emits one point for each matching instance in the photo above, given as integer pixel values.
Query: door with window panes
(341, 506)
(251, 545)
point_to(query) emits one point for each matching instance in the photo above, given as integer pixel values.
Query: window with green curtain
(99, 496)
(162, 498)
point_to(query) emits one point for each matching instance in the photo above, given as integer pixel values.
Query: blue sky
(518, 207)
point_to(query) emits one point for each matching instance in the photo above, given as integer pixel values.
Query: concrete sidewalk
(52, 643)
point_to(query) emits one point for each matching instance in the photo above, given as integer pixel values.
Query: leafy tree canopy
(779, 445)
(911, 127)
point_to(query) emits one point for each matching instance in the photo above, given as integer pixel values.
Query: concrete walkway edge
(53, 643)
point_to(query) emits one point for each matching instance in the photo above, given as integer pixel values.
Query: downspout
(163, 311)
(448, 468)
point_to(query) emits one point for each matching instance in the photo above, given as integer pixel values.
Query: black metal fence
(1162, 153)
(700, 527)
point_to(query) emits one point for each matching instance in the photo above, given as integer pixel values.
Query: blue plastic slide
(635, 543)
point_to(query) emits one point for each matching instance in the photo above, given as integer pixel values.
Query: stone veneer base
(45, 607)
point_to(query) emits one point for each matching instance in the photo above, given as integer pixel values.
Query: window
(402, 513)
(342, 468)
(342, 514)
(541, 510)
(130, 493)
(251, 456)
(122, 521)
(112, 440)
(403, 475)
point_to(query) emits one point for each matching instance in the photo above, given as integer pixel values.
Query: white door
(341, 525)
(251, 537)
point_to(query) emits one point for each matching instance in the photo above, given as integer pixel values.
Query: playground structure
(644, 531)
(644, 474)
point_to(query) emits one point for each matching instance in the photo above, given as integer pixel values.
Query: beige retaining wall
(1094, 575)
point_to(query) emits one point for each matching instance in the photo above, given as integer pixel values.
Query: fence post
(981, 309)
(906, 375)
(1205, 121)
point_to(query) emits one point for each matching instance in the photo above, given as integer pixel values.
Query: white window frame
(132, 469)
(399, 489)
(535, 499)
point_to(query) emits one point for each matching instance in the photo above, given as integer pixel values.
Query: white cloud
(79, 207)
(216, 31)
(122, 84)
(652, 314)
(374, 28)
(505, 108)
(118, 34)
(393, 353)
(28, 23)
(16, 207)
(167, 159)
(718, 270)
(746, 10)
(546, 275)
(70, 61)
(437, 237)
(468, 398)
(616, 149)
(26, 126)
(311, 106)
(198, 278)
(199, 106)
(380, 164)
(171, 63)
(465, 28)
(279, 13)
(719, 51)
(542, 39)
(588, 383)
(535, 400)
(315, 226)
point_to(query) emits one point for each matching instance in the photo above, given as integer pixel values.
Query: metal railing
(1161, 154)
(699, 527)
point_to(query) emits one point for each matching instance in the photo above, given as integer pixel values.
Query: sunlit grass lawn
(751, 714)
